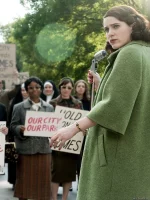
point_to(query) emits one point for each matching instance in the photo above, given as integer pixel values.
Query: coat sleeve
(116, 104)
(50, 108)
(16, 123)
(11, 94)
(5, 114)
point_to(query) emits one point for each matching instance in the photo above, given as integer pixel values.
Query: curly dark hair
(127, 14)
(33, 79)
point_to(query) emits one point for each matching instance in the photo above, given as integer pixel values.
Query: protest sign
(2, 144)
(23, 76)
(69, 116)
(7, 58)
(42, 124)
(7, 63)
(8, 66)
(45, 124)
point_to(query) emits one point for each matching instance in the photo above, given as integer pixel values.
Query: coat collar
(113, 55)
(59, 99)
(28, 103)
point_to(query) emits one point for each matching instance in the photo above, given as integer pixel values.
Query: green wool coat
(116, 160)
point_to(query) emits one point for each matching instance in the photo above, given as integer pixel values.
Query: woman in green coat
(116, 160)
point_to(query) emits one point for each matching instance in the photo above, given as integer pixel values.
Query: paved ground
(6, 192)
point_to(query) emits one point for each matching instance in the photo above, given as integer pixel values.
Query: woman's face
(24, 93)
(118, 33)
(34, 90)
(48, 89)
(66, 90)
(80, 88)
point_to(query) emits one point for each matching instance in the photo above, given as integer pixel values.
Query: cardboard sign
(45, 124)
(69, 116)
(7, 63)
(2, 144)
(8, 66)
(42, 124)
(7, 58)
(22, 76)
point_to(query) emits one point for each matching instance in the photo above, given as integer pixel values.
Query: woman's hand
(64, 134)
(94, 78)
(61, 136)
(22, 129)
(4, 130)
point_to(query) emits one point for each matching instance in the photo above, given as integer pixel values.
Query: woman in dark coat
(33, 177)
(20, 96)
(64, 164)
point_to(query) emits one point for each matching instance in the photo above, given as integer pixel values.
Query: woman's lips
(113, 41)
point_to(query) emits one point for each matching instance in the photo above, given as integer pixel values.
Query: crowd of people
(55, 169)
(116, 155)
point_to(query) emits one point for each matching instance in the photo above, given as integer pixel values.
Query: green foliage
(60, 37)
(52, 40)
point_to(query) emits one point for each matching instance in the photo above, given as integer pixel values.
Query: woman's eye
(106, 30)
(115, 26)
